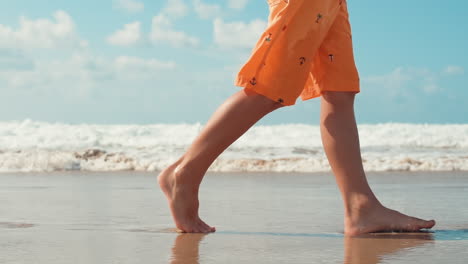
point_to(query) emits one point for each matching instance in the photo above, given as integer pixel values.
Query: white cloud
(129, 35)
(392, 81)
(127, 64)
(237, 4)
(206, 11)
(80, 73)
(161, 29)
(131, 6)
(176, 8)
(454, 70)
(403, 80)
(42, 33)
(162, 32)
(238, 34)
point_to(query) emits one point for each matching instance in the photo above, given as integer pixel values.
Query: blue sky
(173, 61)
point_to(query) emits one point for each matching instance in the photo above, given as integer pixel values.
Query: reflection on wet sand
(374, 248)
(186, 249)
(367, 249)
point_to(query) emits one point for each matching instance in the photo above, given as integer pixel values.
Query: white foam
(30, 146)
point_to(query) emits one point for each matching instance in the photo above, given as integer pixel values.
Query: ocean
(32, 146)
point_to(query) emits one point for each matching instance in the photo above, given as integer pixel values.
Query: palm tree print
(319, 16)
(302, 60)
(253, 81)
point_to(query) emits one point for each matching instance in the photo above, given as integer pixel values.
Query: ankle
(359, 203)
(186, 175)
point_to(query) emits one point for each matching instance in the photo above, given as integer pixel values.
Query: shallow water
(260, 218)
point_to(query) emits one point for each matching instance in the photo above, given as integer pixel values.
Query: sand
(77, 217)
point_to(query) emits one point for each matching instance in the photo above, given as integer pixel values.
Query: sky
(175, 61)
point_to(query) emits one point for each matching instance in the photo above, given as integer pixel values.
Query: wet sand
(121, 217)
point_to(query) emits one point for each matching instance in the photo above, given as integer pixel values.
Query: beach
(268, 98)
(122, 217)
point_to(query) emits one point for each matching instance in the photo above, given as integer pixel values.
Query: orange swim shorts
(305, 50)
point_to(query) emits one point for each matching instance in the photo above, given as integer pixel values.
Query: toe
(416, 224)
(429, 224)
(423, 223)
(210, 228)
(206, 228)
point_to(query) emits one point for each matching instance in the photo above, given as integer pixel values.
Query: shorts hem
(263, 90)
(353, 87)
(305, 98)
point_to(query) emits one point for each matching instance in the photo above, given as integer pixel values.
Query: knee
(339, 98)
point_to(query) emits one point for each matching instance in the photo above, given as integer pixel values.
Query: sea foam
(30, 146)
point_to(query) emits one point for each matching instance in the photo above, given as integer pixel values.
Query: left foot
(183, 200)
(373, 217)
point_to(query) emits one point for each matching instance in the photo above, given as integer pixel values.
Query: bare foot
(183, 201)
(373, 217)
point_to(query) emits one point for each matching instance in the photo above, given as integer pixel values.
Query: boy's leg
(180, 181)
(363, 212)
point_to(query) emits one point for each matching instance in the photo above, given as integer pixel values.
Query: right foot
(183, 201)
(373, 217)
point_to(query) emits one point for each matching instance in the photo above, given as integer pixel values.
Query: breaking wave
(30, 146)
